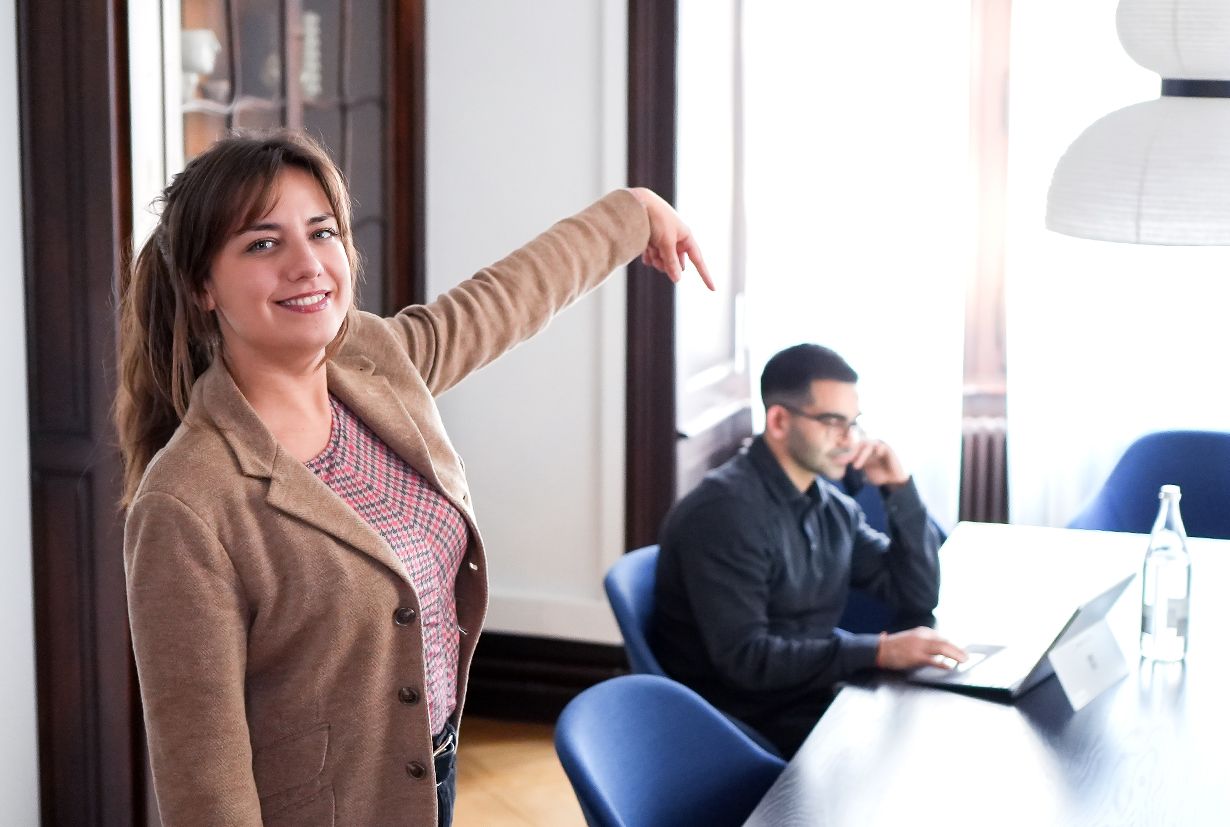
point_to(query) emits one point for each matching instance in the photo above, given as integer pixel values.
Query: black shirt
(753, 576)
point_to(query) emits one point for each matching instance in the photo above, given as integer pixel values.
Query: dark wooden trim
(650, 449)
(522, 678)
(76, 218)
(699, 454)
(292, 60)
(406, 232)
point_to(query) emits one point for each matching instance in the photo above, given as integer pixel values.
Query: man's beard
(830, 464)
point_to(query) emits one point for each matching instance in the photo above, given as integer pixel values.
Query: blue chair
(1196, 461)
(645, 751)
(865, 613)
(629, 588)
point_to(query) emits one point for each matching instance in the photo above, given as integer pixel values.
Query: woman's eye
(325, 233)
(261, 245)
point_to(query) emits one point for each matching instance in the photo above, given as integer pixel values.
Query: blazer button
(415, 770)
(407, 695)
(404, 616)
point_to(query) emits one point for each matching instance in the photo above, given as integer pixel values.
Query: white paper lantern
(1157, 172)
(1177, 38)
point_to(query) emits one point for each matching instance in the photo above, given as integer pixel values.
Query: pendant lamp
(1157, 172)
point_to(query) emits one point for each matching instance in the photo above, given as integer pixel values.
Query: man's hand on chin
(880, 464)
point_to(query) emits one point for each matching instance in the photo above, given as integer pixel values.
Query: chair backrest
(864, 613)
(1196, 461)
(869, 499)
(629, 587)
(645, 751)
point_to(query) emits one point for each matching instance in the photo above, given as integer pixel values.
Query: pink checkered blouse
(426, 532)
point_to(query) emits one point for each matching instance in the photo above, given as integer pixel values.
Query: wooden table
(1151, 750)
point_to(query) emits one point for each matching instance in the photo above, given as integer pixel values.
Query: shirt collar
(779, 484)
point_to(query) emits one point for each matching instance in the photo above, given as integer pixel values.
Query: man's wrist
(895, 485)
(880, 650)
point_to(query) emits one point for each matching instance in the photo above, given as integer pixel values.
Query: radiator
(984, 469)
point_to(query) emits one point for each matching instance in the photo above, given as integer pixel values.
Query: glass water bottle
(1166, 601)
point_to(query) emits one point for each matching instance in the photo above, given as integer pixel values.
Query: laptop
(1008, 672)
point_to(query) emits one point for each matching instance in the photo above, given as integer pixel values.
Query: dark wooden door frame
(650, 388)
(76, 196)
(406, 91)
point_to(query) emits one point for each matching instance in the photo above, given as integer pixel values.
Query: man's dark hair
(787, 377)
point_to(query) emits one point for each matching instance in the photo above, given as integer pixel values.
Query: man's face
(818, 436)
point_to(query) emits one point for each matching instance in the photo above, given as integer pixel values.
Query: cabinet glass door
(316, 65)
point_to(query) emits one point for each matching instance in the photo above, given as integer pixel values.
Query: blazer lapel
(372, 399)
(293, 489)
(298, 492)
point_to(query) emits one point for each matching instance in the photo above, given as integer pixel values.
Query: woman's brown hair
(166, 338)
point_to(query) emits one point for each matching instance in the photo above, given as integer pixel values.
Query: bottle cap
(1169, 492)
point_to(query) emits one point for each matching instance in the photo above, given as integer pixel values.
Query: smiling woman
(225, 244)
(306, 582)
(280, 287)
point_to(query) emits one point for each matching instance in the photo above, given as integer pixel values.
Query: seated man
(757, 562)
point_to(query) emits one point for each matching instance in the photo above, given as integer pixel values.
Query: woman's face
(281, 287)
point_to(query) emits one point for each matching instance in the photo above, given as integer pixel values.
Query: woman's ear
(207, 300)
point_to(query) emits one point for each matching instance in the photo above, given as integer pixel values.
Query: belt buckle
(448, 743)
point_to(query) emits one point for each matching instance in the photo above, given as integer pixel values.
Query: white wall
(526, 124)
(860, 229)
(18, 721)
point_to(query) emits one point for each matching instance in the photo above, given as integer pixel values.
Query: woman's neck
(292, 402)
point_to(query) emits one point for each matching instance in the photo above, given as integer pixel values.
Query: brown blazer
(269, 619)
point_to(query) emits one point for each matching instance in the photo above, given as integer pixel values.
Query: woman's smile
(313, 302)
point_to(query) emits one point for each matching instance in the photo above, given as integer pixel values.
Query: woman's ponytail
(162, 351)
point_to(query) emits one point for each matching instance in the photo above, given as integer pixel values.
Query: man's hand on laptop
(917, 647)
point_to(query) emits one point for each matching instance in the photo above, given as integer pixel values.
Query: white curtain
(858, 204)
(1105, 341)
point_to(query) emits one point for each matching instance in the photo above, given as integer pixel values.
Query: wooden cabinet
(348, 72)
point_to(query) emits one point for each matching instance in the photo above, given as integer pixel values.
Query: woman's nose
(302, 262)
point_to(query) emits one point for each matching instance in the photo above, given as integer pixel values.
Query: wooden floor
(507, 774)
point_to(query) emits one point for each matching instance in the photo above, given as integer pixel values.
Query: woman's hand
(669, 239)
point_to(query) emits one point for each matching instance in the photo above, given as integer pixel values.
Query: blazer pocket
(290, 762)
(317, 811)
